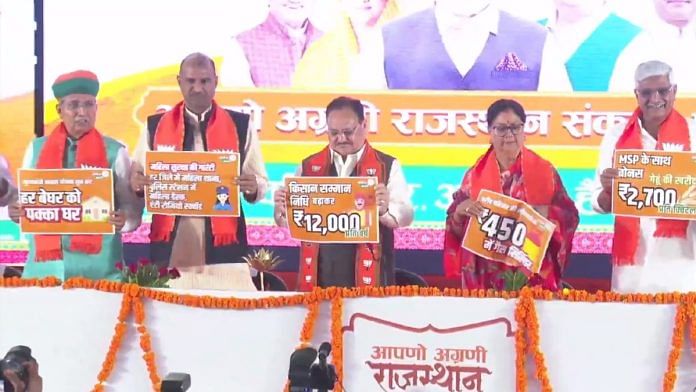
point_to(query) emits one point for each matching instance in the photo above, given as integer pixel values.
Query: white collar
(197, 117)
(488, 19)
(592, 21)
(336, 157)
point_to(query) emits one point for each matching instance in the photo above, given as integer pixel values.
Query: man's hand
(279, 207)
(35, 381)
(4, 186)
(118, 219)
(15, 211)
(138, 180)
(382, 195)
(607, 179)
(247, 185)
(468, 208)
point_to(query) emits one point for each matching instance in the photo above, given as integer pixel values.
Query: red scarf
(221, 134)
(539, 189)
(538, 176)
(91, 151)
(368, 257)
(674, 130)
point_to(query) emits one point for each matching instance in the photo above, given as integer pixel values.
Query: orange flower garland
(119, 331)
(532, 327)
(19, 282)
(337, 338)
(146, 344)
(526, 336)
(670, 377)
(521, 343)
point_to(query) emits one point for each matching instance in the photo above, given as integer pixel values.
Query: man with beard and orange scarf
(207, 251)
(508, 167)
(76, 143)
(649, 255)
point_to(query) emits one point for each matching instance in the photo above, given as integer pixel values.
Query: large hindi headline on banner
(443, 117)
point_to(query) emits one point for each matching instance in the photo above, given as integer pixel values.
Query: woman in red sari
(513, 170)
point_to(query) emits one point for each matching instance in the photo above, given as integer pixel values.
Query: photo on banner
(349, 47)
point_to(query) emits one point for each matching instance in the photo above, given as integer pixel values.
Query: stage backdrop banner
(430, 130)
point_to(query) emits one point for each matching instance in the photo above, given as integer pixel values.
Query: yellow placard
(332, 209)
(66, 201)
(188, 183)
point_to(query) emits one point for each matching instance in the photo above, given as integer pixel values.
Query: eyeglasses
(502, 130)
(648, 93)
(74, 105)
(347, 133)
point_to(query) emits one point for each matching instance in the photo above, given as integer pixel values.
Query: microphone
(324, 351)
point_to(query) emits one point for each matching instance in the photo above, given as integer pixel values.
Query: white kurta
(661, 264)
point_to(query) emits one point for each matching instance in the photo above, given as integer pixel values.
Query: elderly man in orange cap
(76, 143)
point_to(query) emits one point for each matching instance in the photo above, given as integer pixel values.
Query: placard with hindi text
(510, 231)
(658, 184)
(332, 209)
(187, 183)
(66, 201)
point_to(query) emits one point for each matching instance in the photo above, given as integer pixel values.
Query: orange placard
(66, 201)
(510, 231)
(332, 209)
(188, 183)
(658, 184)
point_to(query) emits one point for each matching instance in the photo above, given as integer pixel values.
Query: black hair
(503, 105)
(347, 102)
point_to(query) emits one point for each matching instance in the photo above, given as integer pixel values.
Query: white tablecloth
(588, 347)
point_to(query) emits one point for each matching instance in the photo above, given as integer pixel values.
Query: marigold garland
(119, 331)
(14, 281)
(521, 311)
(337, 338)
(532, 327)
(146, 343)
(526, 336)
(680, 319)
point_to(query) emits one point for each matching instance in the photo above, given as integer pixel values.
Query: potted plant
(262, 261)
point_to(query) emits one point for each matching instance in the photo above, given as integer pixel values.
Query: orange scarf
(368, 257)
(674, 130)
(539, 189)
(538, 176)
(91, 151)
(221, 135)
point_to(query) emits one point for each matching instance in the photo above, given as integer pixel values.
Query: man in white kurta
(671, 38)
(660, 264)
